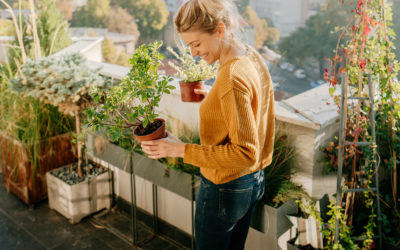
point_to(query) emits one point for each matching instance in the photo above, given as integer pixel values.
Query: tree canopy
(151, 16)
(94, 14)
(316, 41)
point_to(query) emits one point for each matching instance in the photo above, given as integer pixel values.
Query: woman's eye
(196, 45)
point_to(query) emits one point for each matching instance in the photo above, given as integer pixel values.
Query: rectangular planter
(80, 200)
(273, 225)
(20, 176)
(107, 153)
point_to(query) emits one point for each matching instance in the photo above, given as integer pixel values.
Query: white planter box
(80, 200)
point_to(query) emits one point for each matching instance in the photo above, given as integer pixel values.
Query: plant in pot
(128, 110)
(192, 74)
(64, 82)
(34, 138)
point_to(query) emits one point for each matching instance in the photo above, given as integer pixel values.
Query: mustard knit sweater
(237, 121)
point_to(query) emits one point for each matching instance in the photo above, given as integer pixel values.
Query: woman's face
(203, 44)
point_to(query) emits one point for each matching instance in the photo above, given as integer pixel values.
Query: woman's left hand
(166, 147)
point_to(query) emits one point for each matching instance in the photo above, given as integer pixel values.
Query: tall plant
(369, 50)
(63, 82)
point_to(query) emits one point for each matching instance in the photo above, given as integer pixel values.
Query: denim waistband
(249, 177)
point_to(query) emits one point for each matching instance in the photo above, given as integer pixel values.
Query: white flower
(192, 70)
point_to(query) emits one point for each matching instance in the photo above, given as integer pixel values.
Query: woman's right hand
(202, 92)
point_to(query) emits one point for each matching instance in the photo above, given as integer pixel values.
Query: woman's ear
(221, 29)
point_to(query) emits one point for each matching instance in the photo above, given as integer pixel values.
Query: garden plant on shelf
(192, 73)
(127, 110)
(64, 82)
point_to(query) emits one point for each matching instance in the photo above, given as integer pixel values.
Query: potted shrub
(130, 106)
(192, 74)
(76, 190)
(34, 138)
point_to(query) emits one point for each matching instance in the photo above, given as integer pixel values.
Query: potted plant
(192, 74)
(34, 138)
(74, 191)
(130, 106)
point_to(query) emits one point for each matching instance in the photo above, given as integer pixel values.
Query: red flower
(328, 103)
(364, 118)
(362, 63)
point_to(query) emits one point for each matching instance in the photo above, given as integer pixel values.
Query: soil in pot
(187, 91)
(153, 131)
(72, 178)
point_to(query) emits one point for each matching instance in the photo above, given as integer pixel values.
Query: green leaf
(332, 90)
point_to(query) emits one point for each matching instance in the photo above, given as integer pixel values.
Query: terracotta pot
(158, 134)
(187, 91)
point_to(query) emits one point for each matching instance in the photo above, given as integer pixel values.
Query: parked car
(315, 84)
(284, 65)
(290, 67)
(300, 73)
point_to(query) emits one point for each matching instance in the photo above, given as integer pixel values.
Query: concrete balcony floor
(39, 227)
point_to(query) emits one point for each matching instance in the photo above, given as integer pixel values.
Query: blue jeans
(223, 212)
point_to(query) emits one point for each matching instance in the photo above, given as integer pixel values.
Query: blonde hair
(205, 15)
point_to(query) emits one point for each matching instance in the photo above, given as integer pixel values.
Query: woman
(236, 126)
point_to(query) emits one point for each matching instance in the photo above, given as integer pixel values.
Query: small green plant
(63, 82)
(191, 70)
(328, 227)
(132, 103)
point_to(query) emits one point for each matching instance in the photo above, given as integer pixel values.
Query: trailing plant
(328, 225)
(63, 82)
(132, 103)
(369, 51)
(192, 70)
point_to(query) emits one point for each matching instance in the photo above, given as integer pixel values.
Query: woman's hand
(166, 147)
(203, 92)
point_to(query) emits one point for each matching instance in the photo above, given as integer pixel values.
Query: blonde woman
(236, 126)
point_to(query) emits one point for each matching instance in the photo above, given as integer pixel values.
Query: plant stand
(80, 200)
(183, 184)
(20, 177)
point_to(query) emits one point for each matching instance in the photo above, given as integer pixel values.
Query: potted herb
(192, 74)
(130, 106)
(64, 82)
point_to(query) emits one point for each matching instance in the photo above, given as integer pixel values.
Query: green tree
(52, 29)
(65, 7)
(109, 51)
(94, 14)
(316, 41)
(121, 22)
(263, 33)
(151, 16)
(123, 59)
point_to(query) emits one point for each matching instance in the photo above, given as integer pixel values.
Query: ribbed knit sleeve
(241, 149)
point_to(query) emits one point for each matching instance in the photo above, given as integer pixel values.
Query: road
(287, 81)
